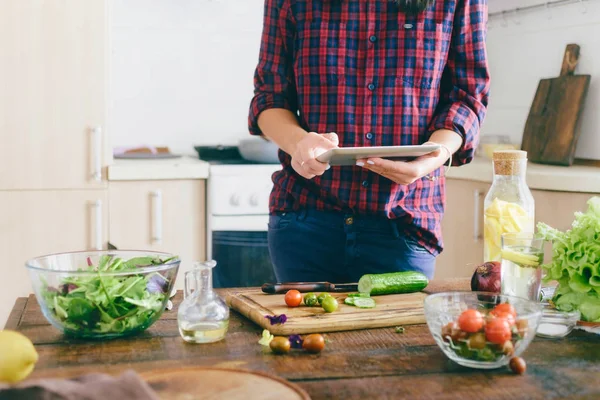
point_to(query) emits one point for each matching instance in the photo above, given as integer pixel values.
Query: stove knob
(254, 200)
(235, 200)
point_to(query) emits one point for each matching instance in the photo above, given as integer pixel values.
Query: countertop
(185, 167)
(361, 364)
(577, 178)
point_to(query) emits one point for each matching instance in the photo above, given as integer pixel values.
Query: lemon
(520, 258)
(17, 356)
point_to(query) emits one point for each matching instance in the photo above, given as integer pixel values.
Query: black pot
(217, 153)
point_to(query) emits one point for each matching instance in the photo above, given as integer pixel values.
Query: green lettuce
(575, 262)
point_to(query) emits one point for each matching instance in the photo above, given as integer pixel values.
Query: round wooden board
(220, 383)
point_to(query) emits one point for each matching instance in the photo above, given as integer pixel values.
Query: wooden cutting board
(552, 128)
(391, 310)
(214, 383)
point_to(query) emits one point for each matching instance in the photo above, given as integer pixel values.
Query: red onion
(486, 277)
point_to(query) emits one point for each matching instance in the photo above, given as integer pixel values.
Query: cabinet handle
(98, 224)
(477, 213)
(97, 156)
(157, 216)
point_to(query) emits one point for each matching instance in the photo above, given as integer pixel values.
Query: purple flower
(295, 341)
(277, 319)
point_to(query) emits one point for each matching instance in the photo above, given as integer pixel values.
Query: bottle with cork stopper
(508, 206)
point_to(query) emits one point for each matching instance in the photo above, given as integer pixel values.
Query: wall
(531, 47)
(181, 70)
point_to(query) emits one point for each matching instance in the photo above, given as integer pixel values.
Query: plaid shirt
(377, 77)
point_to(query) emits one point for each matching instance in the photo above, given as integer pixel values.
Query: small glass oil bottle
(203, 317)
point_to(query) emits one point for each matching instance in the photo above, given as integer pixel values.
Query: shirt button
(349, 221)
(369, 135)
(373, 38)
(365, 183)
(371, 87)
(408, 26)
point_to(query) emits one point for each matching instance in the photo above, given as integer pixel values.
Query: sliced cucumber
(364, 302)
(359, 295)
(349, 301)
(392, 283)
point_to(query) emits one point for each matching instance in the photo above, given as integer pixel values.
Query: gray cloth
(87, 387)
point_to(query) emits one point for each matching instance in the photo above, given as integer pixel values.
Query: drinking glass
(521, 271)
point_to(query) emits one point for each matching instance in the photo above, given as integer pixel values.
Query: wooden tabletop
(367, 364)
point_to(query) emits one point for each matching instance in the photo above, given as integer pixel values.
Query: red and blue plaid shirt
(377, 77)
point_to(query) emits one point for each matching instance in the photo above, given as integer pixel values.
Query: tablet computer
(349, 155)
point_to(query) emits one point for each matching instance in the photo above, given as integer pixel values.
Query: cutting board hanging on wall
(552, 127)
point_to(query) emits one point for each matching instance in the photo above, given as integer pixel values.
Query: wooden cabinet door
(462, 229)
(52, 102)
(35, 223)
(160, 215)
(557, 209)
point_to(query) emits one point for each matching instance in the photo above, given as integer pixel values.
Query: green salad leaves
(576, 263)
(104, 303)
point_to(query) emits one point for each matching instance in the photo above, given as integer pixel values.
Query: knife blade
(305, 287)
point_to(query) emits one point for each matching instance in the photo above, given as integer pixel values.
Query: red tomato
(470, 321)
(293, 298)
(505, 316)
(497, 331)
(505, 308)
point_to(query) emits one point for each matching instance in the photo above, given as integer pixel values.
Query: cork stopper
(510, 162)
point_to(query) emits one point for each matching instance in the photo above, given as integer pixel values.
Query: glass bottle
(508, 206)
(203, 317)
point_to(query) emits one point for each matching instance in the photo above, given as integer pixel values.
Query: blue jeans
(313, 246)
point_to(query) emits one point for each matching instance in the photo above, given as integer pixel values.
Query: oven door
(239, 246)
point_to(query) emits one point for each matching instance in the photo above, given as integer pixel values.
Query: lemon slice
(520, 258)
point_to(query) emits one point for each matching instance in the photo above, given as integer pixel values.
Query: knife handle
(279, 288)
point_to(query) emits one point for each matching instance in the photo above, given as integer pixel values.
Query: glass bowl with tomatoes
(480, 329)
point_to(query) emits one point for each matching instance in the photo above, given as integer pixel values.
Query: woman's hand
(407, 172)
(308, 149)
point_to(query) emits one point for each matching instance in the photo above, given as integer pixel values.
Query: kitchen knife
(304, 287)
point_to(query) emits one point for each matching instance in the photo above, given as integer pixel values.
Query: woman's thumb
(332, 137)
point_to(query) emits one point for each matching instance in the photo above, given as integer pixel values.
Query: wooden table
(368, 364)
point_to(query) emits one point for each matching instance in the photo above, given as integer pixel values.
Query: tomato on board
(504, 308)
(497, 331)
(293, 298)
(470, 321)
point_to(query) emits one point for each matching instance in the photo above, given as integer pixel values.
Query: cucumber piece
(364, 302)
(392, 283)
(349, 300)
(359, 295)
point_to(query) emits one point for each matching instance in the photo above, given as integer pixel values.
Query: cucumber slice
(359, 295)
(364, 302)
(392, 283)
(349, 300)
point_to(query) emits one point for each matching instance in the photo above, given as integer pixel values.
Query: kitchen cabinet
(52, 107)
(462, 229)
(34, 223)
(162, 215)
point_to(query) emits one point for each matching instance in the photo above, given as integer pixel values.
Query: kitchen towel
(87, 387)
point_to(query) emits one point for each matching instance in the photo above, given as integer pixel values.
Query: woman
(366, 73)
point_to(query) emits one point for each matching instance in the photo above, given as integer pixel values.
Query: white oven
(237, 218)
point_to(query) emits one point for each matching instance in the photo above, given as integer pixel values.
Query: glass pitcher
(509, 205)
(203, 317)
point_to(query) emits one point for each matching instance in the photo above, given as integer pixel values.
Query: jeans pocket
(413, 245)
(280, 221)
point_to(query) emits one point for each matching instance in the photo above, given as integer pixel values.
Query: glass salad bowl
(479, 329)
(103, 294)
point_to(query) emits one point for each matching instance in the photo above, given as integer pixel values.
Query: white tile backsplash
(182, 70)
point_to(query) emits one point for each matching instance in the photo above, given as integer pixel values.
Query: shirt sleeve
(466, 80)
(274, 85)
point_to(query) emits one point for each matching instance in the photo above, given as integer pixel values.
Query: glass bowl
(486, 340)
(103, 294)
(556, 323)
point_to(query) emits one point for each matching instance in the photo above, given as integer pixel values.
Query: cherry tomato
(447, 330)
(293, 298)
(504, 308)
(497, 331)
(280, 345)
(322, 297)
(330, 304)
(314, 343)
(503, 315)
(310, 299)
(508, 348)
(517, 365)
(522, 326)
(476, 341)
(470, 321)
